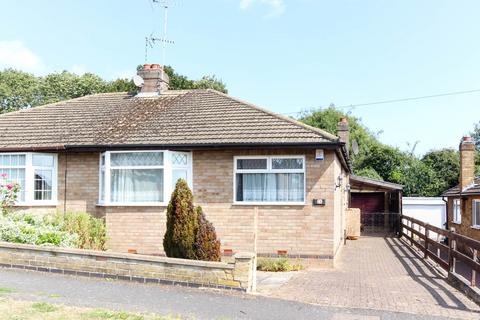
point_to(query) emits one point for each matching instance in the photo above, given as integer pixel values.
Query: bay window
(35, 173)
(141, 177)
(269, 179)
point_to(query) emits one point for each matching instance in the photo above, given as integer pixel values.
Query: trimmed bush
(207, 247)
(182, 223)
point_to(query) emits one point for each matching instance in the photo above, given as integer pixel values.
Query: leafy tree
(476, 135)
(17, 90)
(181, 82)
(446, 165)
(182, 223)
(368, 173)
(207, 246)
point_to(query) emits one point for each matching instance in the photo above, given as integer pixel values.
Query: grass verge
(23, 310)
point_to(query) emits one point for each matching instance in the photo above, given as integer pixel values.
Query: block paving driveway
(379, 273)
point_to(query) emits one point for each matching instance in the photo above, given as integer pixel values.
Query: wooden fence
(444, 247)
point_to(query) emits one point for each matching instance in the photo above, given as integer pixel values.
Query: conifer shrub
(207, 247)
(182, 223)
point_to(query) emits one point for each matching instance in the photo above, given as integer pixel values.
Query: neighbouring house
(463, 205)
(268, 183)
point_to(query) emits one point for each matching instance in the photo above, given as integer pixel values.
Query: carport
(380, 203)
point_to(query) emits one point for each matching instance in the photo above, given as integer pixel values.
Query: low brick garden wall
(238, 275)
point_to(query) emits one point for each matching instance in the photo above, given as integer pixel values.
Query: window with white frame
(141, 177)
(476, 213)
(457, 211)
(36, 174)
(270, 179)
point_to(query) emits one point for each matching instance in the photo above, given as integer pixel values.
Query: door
(372, 209)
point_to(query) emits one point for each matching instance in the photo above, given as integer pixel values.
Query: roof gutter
(48, 148)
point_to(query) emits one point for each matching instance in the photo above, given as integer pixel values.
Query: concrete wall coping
(129, 256)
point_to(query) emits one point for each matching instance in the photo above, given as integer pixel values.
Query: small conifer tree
(207, 247)
(182, 223)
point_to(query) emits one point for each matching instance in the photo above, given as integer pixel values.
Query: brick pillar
(467, 162)
(245, 270)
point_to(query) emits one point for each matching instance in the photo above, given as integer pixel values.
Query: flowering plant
(8, 193)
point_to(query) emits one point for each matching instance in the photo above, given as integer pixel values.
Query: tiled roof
(194, 117)
(474, 189)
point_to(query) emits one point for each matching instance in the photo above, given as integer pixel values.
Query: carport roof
(358, 182)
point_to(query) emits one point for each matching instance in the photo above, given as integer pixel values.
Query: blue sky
(284, 55)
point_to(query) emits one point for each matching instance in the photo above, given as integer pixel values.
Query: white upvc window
(457, 211)
(141, 177)
(269, 179)
(476, 213)
(36, 174)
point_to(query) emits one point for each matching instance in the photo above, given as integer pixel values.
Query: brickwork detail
(238, 275)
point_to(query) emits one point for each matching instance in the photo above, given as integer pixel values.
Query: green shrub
(277, 265)
(207, 247)
(179, 239)
(91, 231)
(72, 229)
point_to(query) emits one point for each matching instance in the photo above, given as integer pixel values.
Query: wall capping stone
(239, 275)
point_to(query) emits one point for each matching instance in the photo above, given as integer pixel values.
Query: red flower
(10, 186)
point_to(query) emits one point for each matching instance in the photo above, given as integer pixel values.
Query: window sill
(139, 204)
(475, 227)
(269, 203)
(457, 222)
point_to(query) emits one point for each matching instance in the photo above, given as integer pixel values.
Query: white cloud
(277, 7)
(14, 54)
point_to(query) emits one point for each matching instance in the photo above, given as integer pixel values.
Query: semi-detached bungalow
(268, 183)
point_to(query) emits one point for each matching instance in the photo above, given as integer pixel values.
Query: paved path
(382, 274)
(168, 300)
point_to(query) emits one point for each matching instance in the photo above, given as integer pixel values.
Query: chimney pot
(155, 80)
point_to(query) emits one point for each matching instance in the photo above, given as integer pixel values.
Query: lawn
(11, 309)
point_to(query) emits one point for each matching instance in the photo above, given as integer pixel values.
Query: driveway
(169, 300)
(381, 274)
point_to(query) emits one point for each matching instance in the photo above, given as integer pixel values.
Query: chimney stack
(155, 80)
(343, 132)
(467, 162)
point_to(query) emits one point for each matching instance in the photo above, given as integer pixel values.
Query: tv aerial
(151, 40)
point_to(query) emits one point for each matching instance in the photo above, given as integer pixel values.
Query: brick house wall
(465, 227)
(301, 230)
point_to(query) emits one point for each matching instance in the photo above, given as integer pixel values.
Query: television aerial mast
(151, 40)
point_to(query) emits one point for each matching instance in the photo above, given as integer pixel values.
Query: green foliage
(72, 229)
(446, 165)
(475, 134)
(429, 176)
(6, 290)
(8, 193)
(277, 265)
(182, 223)
(179, 82)
(20, 90)
(368, 173)
(91, 231)
(207, 246)
(43, 307)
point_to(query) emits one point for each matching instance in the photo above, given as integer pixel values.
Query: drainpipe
(65, 185)
(446, 212)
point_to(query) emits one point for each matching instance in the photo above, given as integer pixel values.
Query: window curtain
(137, 185)
(270, 187)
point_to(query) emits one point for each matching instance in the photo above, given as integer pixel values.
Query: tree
(17, 90)
(181, 82)
(368, 173)
(446, 165)
(476, 135)
(182, 223)
(207, 247)
(20, 90)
